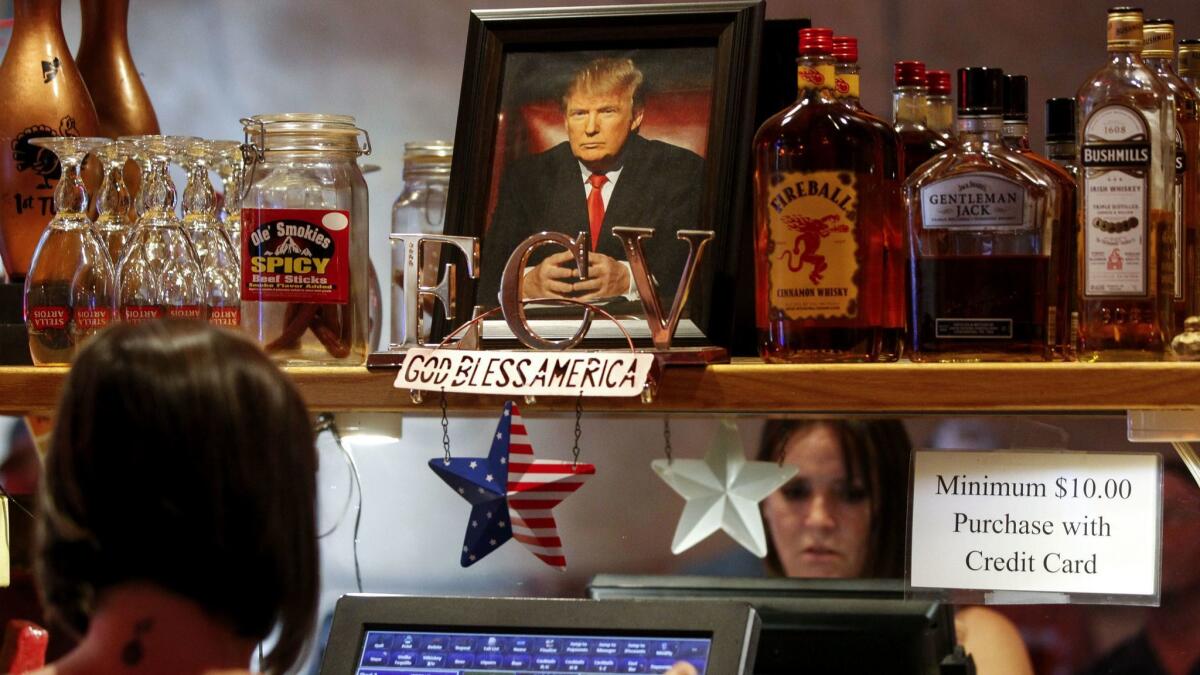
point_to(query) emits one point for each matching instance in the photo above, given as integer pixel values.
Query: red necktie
(596, 206)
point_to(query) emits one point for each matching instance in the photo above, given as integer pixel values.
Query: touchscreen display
(390, 652)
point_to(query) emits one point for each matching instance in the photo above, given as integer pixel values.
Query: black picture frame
(732, 29)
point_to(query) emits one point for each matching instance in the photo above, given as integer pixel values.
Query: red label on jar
(141, 313)
(91, 318)
(185, 312)
(225, 316)
(48, 317)
(296, 255)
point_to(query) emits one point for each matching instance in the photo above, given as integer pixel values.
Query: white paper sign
(1036, 521)
(526, 373)
(5, 535)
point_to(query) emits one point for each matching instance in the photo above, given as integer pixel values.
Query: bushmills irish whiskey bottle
(1158, 51)
(1189, 63)
(1126, 137)
(828, 245)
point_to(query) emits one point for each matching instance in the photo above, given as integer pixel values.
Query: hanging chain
(445, 430)
(578, 429)
(667, 439)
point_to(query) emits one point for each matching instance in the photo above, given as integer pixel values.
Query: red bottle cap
(845, 49)
(815, 41)
(910, 73)
(938, 82)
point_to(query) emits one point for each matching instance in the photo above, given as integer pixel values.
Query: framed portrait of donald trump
(585, 119)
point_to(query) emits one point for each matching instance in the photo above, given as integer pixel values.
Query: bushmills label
(1116, 158)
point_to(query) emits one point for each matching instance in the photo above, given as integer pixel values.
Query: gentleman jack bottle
(1126, 138)
(982, 225)
(828, 245)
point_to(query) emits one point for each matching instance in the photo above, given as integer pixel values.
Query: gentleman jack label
(296, 255)
(813, 250)
(979, 201)
(1116, 163)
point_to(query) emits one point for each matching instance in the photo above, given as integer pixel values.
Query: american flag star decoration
(511, 493)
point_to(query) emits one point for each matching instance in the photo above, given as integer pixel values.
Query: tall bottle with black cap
(1060, 135)
(829, 246)
(982, 228)
(1064, 316)
(1158, 51)
(1125, 126)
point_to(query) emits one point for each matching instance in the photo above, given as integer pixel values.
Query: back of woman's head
(182, 457)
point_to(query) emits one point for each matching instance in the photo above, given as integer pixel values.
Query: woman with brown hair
(177, 526)
(844, 515)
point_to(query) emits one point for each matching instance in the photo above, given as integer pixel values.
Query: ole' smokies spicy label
(91, 318)
(812, 255)
(225, 316)
(296, 255)
(48, 317)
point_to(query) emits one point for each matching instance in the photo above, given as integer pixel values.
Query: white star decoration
(722, 492)
(473, 464)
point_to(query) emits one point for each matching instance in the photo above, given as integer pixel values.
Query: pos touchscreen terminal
(394, 635)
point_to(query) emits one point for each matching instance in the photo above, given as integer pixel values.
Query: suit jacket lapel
(623, 205)
(568, 199)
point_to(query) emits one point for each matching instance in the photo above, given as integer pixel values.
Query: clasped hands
(606, 277)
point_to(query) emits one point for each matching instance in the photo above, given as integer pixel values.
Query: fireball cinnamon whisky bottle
(829, 254)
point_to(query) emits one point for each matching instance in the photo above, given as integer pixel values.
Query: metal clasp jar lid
(304, 132)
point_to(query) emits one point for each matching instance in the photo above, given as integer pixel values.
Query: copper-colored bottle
(41, 94)
(107, 66)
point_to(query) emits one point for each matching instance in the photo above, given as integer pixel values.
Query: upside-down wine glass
(231, 167)
(115, 203)
(69, 291)
(159, 274)
(216, 255)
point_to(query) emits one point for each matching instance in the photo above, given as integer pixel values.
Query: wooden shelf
(749, 386)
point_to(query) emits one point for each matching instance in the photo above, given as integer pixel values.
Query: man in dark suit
(604, 175)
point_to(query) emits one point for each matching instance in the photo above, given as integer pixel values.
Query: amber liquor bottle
(828, 242)
(1189, 63)
(1063, 313)
(1158, 51)
(846, 80)
(909, 106)
(1125, 129)
(982, 223)
(939, 105)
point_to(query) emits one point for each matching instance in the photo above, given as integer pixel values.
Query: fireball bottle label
(296, 255)
(813, 249)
